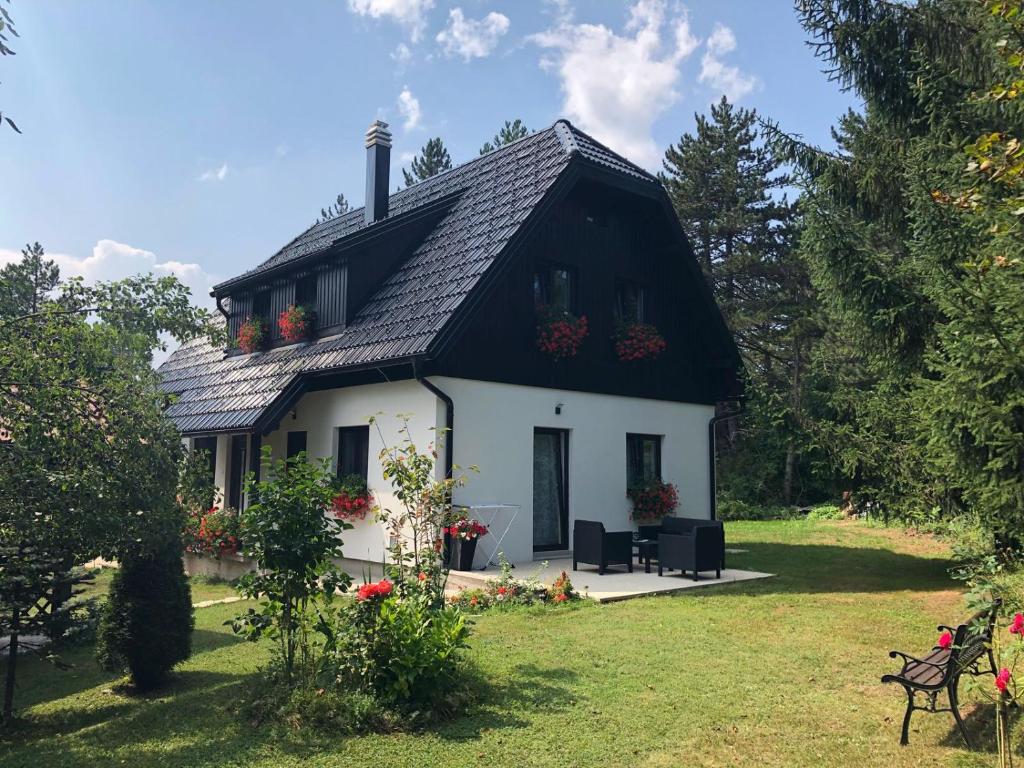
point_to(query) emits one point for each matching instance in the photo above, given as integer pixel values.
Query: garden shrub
(506, 591)
(825, 512)
(147, 622)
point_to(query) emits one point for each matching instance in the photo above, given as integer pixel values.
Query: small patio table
(646, 549)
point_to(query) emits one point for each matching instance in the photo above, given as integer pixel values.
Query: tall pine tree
(727, 188)
(337, 208)
(26, 284)
(433, 159)
(511, 131)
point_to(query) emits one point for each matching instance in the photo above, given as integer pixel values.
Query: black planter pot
(446, 550)
(462, 552)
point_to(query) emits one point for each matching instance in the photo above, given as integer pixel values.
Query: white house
(430, 302)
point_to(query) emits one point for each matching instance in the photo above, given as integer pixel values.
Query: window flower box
(295, 323)
(252, 335)
(560, 333)
(352, 500)
(635, 342)
(653, 500)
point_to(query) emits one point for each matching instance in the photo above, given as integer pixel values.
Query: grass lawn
(779, 672)
(202, 588)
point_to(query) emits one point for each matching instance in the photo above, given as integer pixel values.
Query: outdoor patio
(615, 584)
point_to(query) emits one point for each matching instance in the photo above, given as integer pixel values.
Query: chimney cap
(378, 134)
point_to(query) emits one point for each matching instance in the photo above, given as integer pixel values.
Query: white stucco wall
(494, 426)
(319, 414)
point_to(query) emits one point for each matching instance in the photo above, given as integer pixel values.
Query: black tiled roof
(496, 194)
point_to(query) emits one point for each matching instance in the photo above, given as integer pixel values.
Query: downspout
(712, 453)
(220, 307)
(449, 418)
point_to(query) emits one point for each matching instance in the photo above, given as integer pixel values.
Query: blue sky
(197, 138)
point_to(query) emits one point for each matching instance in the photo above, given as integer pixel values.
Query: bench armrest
(944, 628)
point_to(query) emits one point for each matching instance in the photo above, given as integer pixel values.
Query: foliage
(288, 532)
(295, 323)
(147, 622)
(27, 284)
(415, 528)
(638, 341)
(511, 131)
(339, 207)
(252, 334)
(329, 709)
(652, 500)
(507, 591)
(88, 461)
(352, 499)
(403, 649)
(433, 159)
(197, 491)
(560, 333)
(7, 27)
(465, 528)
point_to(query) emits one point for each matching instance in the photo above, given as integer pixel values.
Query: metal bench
(942, 667)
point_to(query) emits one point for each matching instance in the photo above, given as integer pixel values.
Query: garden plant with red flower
(559, 333)
(213, 532)
(653, 500)
(352, 500)
(252, 334)
(638, 341)
(369, 591)
(466, 529)
(945, 641)
(294, 323)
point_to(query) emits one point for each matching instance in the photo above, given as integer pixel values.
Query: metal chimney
(378, 171)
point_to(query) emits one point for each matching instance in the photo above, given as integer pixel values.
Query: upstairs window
(643, 459)
(555, 287)
(261, 305)
(353, 451)
(305, 291)
(630, 302)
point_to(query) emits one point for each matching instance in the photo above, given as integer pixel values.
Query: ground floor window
(643, 459)
(353, 451)
(296, 443)
(237, 469)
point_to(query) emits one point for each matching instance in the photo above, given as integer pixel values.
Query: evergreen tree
(509, 132)
(337, 208)
(433, 159)
(26, 284)
(726, 187)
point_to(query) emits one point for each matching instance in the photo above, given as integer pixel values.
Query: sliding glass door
(550, 489)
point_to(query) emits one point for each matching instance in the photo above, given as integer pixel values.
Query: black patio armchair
(685, 525)
(699, 550)
(592, 544)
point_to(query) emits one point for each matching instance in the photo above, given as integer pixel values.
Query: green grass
(203, 588)
(779, 672)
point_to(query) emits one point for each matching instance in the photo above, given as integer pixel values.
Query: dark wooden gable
(603, 235)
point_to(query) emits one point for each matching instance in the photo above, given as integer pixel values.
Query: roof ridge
(574, 130)
(564, 131)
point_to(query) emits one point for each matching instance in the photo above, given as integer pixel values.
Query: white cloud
(723, 78)
(411, 14)
(407, 157)
(409, 107)
(215, 174)
(472, 38)
(615, 86)
(402, 54)
(281, 150)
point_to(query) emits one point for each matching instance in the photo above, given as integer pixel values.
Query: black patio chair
(699, 550)
(592, 544)
(685, 525)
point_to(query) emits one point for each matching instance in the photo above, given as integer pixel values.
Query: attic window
(554, 287)
(261, 304)
(630, 302)
(305, 291)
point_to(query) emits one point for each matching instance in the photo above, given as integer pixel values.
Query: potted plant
(560, 333)
(464, 533)
(252, 334)
(295, 323)
(638, 341)
(653, 500)
(352, 499)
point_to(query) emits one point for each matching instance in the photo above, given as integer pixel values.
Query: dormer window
(261, 305)
(305, 291)
(630, 302)
(554, 287)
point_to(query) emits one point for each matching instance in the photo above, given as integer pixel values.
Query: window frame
(289, 448)
(309, 301)
(643, 311)
(542, 277)
(641, 438)
(362, 466)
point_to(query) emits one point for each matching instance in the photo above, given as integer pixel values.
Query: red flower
(293, 323)
(369, 591)
(1017, 627)
(251, 334)
(1003, 679)
(422, 576)
(473, 600)
(502, 590)
(561, 597)
(559, 334)
(945, 640)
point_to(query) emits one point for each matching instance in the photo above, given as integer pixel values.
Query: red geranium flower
(945, 640)
(1017, 627)
(1003, 679)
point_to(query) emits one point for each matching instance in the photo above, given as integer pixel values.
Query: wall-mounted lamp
(558, 409)
(295, 414)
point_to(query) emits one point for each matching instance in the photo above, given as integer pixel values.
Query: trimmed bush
(147, 623)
